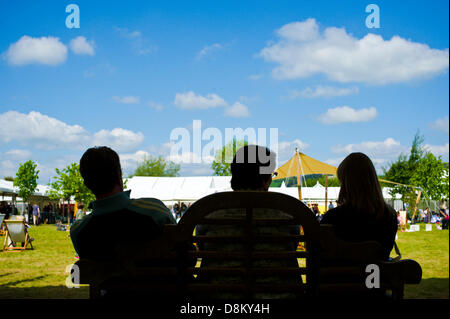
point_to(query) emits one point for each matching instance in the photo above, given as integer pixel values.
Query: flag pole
(299, 181)
(326, 192)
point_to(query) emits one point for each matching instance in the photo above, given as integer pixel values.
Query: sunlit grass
(40, 273)
(430, 249)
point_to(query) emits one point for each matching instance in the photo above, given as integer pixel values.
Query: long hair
(360, 187)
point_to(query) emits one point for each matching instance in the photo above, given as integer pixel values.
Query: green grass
(430, 250)
(40, 273)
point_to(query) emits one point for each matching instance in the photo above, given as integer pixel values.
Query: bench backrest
(248, 245)
(247, 261)
(358, 269)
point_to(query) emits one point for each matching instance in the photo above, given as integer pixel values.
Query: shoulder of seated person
(147, 202)
(146, 205)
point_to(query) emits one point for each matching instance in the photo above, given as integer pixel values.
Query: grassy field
(40, 273)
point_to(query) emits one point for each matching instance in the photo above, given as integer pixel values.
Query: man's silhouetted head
(252, 168)
(101, 171)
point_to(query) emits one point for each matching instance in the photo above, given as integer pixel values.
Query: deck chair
(16, 237)
(343, 269)
(98, 275)
(17, 217)
(2, 226)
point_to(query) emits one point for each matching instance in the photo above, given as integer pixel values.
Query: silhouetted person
(251, 170)
(115, 218)
(362, 214)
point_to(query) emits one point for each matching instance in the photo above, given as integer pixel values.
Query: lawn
(40, 273)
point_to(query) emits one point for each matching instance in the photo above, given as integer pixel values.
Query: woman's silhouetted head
(360, 187)
(252, 168)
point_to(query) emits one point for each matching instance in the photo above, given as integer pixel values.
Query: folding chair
(17, 237)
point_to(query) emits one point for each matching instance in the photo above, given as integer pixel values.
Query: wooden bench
(164, 268)
(344, 269)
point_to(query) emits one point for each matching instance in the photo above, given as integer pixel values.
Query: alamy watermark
(373, 279)
(73, 19)
(206, 145)
(373, 19)
(73, 279)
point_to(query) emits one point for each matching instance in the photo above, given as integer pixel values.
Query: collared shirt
(117, 220)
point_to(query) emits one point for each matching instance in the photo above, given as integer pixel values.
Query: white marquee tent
(189, 189)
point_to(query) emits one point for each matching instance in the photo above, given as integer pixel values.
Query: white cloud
(255, 76)
(438, 150)
(134, 34)
(377, 162)
(129, 161)
(138, 42)
(441, 124)
(334, 161)
(190, 101)
(237, 110)
(156, 106)
(88, 74)
(189, 158)
(127, 99)
(126, 33)
(44, 50)
(118, 139)
(209, 49)
(8, 168)
(18, 155)
(80, 45)
(378, 151)
(286, 149)
(323, 91)
(302, 51)
(346, 114)
(10, 160)
(40, 130)
(44, 132)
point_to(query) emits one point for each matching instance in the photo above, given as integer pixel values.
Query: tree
(224, 157)
(69, 183)
(156, 166)
(9, 178)
(432, 175)
(421, 169)
(26, 179)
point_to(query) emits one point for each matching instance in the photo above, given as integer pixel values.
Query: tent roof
(177, 188)
(174, 189)
(306, 166)
(8, 188)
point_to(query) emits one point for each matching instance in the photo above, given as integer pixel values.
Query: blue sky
(136, 70)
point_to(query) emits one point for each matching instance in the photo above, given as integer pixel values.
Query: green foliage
(156, 166)
(26, 179)
(400, 172)
(420, 169)
(429, 174)
(224, 157)
(68, 182)
(9, 178)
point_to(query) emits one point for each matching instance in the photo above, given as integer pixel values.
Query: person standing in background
(330, 206)
(36, 213)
